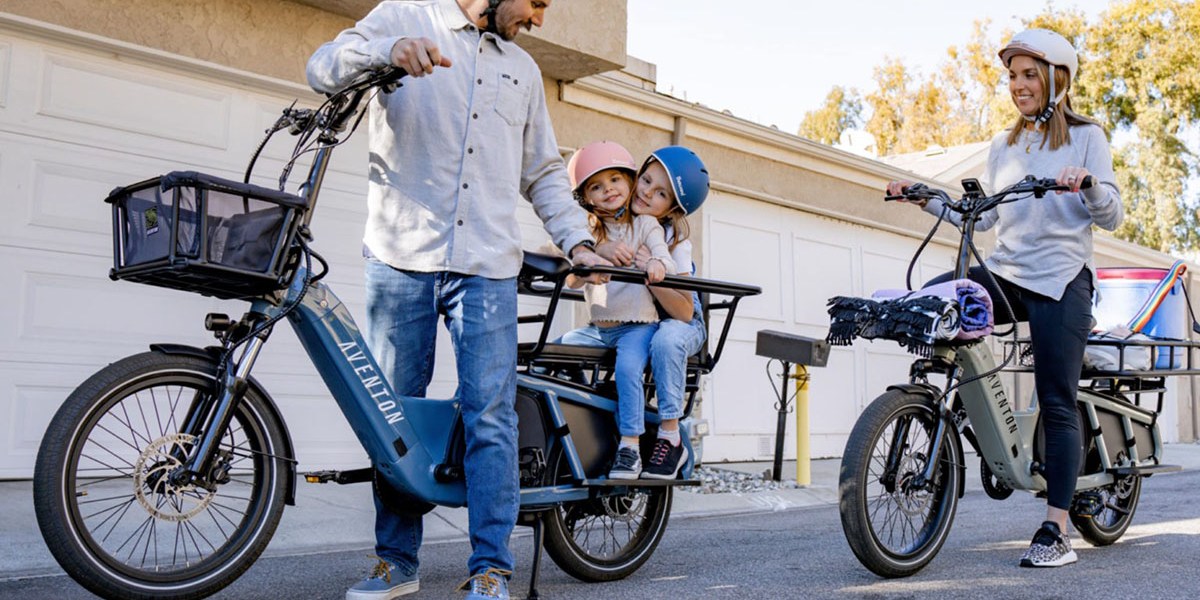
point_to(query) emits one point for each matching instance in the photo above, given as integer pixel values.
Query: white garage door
(800, 260)
(74, 124)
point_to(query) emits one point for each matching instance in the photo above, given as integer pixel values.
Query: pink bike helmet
(596, 157)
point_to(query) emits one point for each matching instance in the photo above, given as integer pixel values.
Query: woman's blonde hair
(1057, 130)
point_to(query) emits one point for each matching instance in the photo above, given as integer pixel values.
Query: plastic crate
(199, 233)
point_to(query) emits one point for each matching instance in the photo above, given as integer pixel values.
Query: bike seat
(543, 265)
(568, 353)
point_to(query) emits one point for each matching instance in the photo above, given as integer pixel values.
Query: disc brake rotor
(152, 480)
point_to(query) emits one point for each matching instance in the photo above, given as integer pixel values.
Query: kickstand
(539, 536)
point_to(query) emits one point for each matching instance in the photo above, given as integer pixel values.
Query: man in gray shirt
(450, 154)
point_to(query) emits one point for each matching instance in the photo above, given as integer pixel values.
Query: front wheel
(1119, 502)
(107, 506)
(895, 521)
(608, 537)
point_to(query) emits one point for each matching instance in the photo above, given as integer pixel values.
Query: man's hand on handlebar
(418, 56)
(584, 257)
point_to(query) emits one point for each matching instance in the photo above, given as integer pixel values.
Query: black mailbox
(792, 348)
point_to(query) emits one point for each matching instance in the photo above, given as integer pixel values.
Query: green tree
(1140, 79)
(1139, 76)
(887, 104)
(841, 110)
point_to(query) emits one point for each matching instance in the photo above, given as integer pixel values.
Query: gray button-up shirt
(451, 152)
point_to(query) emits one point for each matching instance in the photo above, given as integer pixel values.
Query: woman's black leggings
(1058, 330)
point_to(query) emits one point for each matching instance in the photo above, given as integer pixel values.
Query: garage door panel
(30, 394)
(743, 400)
(833, 393)
(5, 60)
(756, 261)
(63, 308)
(886, 364)
(884, 271)
(821, 271)
(136, 100)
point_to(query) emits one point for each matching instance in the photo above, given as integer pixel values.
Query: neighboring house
(106, 94)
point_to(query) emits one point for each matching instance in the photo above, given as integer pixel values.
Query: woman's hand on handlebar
(1075, 178)
(418, 56)
(896, 190)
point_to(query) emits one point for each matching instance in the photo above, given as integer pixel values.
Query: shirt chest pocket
(512, 98)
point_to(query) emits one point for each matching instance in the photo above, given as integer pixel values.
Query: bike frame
(1005, 436)
(408, 439)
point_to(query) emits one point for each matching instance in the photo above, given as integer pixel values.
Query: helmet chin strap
(490, 13)
(1044, 117)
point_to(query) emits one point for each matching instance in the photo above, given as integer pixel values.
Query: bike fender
(289, 453)
(933, 393)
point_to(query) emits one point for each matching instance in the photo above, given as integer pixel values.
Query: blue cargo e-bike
(164, 475)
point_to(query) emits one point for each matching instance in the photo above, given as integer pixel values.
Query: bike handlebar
(975, 201)
(694, 284)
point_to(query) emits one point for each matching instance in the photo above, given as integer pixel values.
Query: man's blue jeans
(481, 315)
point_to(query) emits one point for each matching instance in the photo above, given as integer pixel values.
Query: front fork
(209, 416)
(918, 376)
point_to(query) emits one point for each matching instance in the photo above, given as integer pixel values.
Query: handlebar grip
(1088, 181)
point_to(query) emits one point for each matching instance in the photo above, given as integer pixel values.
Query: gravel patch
(715, 480)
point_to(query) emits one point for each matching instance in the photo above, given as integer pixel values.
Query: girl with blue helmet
(672, 184)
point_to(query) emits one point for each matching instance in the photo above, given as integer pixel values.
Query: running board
(640, 483)
(1145, 471)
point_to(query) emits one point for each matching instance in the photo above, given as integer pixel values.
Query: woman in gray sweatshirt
(1043, 256)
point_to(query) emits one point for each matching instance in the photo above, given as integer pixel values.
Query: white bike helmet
(1049, 47)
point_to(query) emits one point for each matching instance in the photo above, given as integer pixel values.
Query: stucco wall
(276, 37)
(268, 37)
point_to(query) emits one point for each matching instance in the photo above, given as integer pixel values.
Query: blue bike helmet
(689, 177)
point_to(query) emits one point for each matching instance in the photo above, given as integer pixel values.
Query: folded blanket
(974, 304)
(955, 310)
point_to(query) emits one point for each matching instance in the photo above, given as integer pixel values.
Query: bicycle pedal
(320, 476)
(340, 477)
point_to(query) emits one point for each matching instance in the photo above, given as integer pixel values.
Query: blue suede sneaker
(491, 584)
(384, 583)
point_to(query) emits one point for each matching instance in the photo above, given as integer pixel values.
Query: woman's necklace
(1029, 137)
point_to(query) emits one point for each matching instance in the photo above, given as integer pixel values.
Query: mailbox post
(791, 349)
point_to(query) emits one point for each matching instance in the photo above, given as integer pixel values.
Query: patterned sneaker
(491, 584)
(627, 464)
(665, 460)
(1050, 548)
(384, 583)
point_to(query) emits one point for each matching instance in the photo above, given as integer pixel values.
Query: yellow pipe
(803, 463)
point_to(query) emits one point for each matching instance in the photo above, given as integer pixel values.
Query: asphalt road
(799, 553)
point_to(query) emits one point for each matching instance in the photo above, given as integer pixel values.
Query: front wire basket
(199, 233)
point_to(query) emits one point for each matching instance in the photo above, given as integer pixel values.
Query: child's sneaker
(1050, 548)
(665, 460)
(627, 464)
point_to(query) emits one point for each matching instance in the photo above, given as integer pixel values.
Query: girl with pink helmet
(623, 315)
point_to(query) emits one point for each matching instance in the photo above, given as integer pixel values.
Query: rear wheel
(893, 520)
(107, 505)
(1119, 502)
(609, 537)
